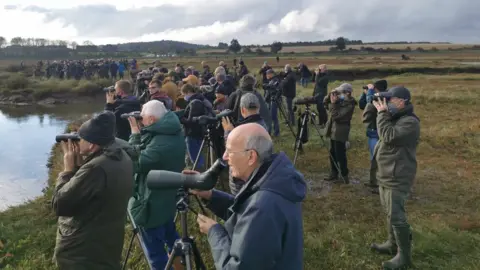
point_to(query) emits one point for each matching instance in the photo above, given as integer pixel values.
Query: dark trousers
(290, 113)
(338, 156)
(322, 112)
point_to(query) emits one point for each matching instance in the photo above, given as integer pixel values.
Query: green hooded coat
(160, 146)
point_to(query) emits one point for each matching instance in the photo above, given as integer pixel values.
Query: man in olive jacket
(91, 197)
(341, 105)
(161, 146)
(399, 131)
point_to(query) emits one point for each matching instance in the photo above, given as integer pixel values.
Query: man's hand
(78, 156)
(134, 125)
(381, 105)
(69, 156)
(226, 124)
(110, 96)
(204, 194)
(205, 223)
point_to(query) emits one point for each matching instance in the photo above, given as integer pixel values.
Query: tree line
(41, 47)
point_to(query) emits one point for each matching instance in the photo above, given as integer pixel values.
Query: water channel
(27, 135)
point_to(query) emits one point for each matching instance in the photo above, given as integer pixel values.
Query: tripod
(213, 151)
(185, 247)
(278, 102)
(309, 116)
(136, 232)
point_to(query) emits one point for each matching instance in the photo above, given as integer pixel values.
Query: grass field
(341, 221)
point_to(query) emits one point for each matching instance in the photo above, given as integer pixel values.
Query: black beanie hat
(381, 85)
(99, 130)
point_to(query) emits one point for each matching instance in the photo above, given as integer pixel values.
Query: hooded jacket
(338, 124)
(90, 205)
(396, 151)
(160, 146)
(263, 224)
(198, 105)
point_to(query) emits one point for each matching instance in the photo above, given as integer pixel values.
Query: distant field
(305, 49)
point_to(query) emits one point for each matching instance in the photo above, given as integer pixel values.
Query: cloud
(250, 21)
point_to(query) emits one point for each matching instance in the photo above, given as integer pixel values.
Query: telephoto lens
(135, 115)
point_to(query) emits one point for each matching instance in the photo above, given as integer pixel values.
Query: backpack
(208, 109)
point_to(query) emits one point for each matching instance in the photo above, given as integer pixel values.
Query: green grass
(341, 222)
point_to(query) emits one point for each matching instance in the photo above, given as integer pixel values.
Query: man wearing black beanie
(91, 197)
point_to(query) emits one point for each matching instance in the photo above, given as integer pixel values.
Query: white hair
(154, 108)
(261, 144)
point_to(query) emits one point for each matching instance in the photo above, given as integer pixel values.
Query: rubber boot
(388, 247)
(331, 177)
(403, 259)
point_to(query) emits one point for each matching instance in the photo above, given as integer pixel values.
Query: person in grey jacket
(263, 226)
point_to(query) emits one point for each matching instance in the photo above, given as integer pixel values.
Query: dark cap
(381, 85)
(270, 71)
(99, 130)
(397, 92)
(221, 89)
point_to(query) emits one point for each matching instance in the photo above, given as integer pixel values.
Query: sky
(250, 21)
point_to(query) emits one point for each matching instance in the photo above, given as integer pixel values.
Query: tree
(88, 43)
(235, 46)
(247, 50)
(222, 45)
(341, 43)
(276, 47)
(16, 41)
(3, 42)
(62, 42)
(73, 45)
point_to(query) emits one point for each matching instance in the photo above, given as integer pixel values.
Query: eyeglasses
(227, 152)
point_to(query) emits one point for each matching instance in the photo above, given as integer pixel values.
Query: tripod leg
(129, 249)
(198, 155)
(299, 137)
(172, 258)
(197, 257)
(282, 111)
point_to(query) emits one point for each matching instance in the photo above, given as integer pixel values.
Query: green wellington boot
(403, 259)
(390, 246)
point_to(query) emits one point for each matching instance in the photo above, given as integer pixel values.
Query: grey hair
(288, 67)
(249, 101)
(261, 144)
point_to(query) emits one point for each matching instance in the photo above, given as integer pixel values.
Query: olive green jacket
(91, 207)
(395, 152)
(340, 115)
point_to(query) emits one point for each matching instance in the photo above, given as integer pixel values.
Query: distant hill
(160, 46)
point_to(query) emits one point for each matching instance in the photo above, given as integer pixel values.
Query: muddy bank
(368, 74)
(25, 98)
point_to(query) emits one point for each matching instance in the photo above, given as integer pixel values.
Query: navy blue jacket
(263, 224)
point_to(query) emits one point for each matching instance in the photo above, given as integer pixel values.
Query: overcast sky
(251, 21)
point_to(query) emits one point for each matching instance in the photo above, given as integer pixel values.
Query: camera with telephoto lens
(135, 115)
(209, 120)
(67, 136)
(109, 89)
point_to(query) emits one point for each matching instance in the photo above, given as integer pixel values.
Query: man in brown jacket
(90, 198)
(341, 105)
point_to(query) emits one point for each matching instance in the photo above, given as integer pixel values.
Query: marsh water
(27, 135)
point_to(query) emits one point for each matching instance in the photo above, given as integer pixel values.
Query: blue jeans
(304, 81)
(193, 149)
(155, 240)
(371, 145)
(274, 112)
(291, 114)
